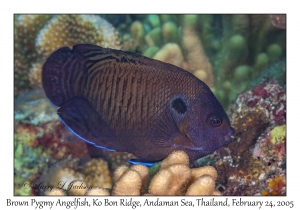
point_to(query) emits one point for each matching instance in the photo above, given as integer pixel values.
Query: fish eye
(214, 120)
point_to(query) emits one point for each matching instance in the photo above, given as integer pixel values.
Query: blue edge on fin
(111, 150)
(132, 161)
(140, 161)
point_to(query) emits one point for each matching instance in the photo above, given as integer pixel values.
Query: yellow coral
(179, 179)
(97, 191)
(174, 178)
(36, 36)
(278, 134)
(55, 192)
(209, 170)
(170, 53)
(120, 171)
(204, 185)
(25, 32)
(129, 183)
(62, 177)
(174, 158)
(97, 174)
(159, 182)
(195, 54)
(144, 173)
(77, 187)
(68, 30)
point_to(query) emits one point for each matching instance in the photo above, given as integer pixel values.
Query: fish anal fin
(85, 122)
(142, 161)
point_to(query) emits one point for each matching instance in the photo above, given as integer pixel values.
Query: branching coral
(246, 42)
(129, 183)
(163, 33)
(195, 54)
(174, 178)
(170, 53)
(215, 47)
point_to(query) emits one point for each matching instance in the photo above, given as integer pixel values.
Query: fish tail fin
(63, 75)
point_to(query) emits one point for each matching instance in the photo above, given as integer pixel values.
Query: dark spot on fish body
(179, 105)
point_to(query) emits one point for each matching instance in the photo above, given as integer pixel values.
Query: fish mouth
(230, 136)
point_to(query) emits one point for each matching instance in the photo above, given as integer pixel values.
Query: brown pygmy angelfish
(122, 101)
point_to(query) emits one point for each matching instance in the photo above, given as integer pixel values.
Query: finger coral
(129, 183)
(195, 54)
(55, 192)
(174, 177)
(97, 191)
(204, 185)
(163, 38)
(172, 180)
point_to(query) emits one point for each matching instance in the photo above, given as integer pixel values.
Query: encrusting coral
(258, 153)
(36, 36)
(174, 177)
(67, 30)
(26, 29)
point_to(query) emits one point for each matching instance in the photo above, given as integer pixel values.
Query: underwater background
(240, 57)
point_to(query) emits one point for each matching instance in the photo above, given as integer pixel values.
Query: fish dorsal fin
(85, 122)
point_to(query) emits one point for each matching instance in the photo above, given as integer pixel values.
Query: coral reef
(40, 140)
(246, 42)
(36, 36)
(33, 108)
(258, 154)
(26, 29)
(229, 49)
(97, 174)
(173, 178)
(94, 173)
(176, 178)
(241, 57)
(278, 20)
(68, 30)
(159, 37)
